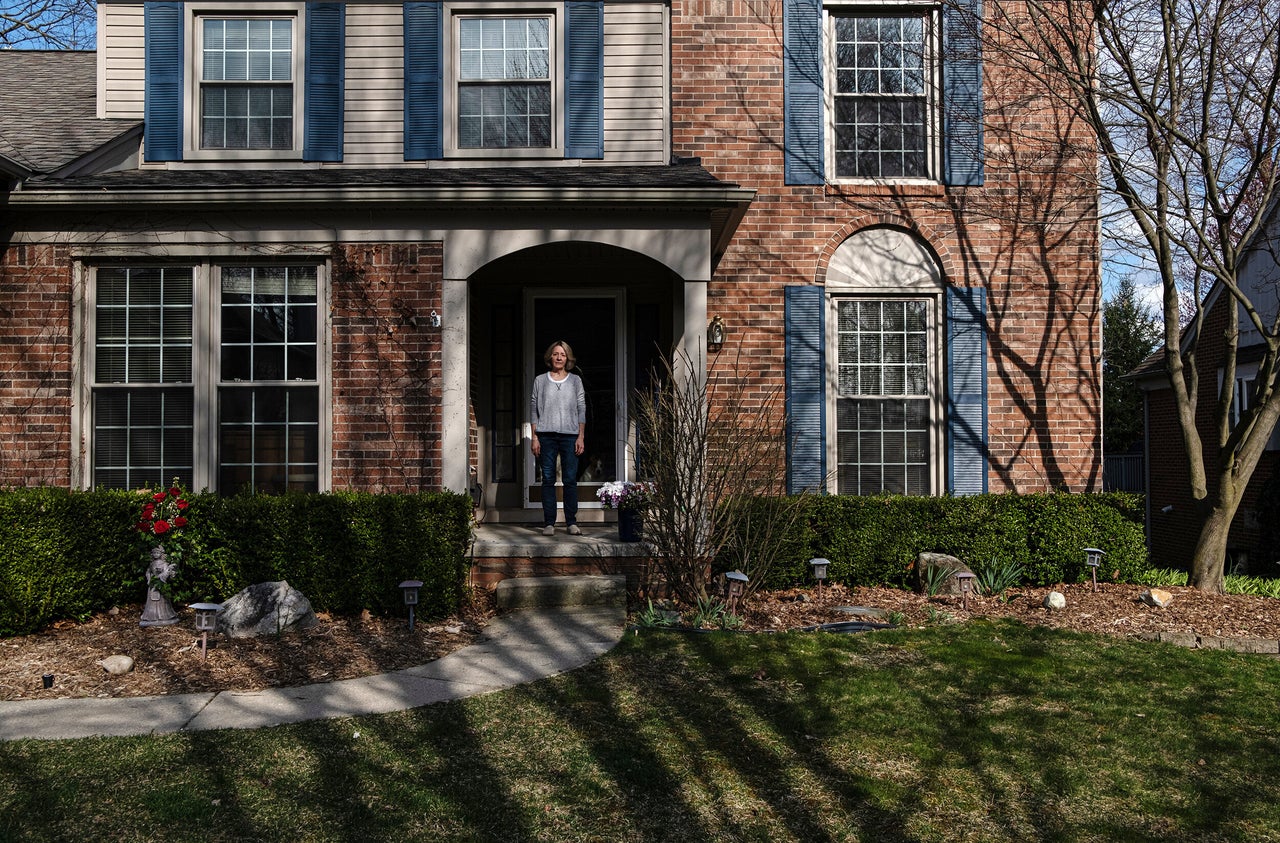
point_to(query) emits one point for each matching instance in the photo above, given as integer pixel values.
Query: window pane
(141, 437)
(882, 438)
(880, 115)
(269, 439)
(138, 340)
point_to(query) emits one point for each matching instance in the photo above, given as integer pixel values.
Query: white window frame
(886, 264)
(934, 398)
(1246, 374)
(206, 363)
(933, 85)
(194, 79)
(454, 14)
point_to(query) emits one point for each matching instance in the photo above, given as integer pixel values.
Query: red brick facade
(386, 367)
(35, 366)
(1022, 235)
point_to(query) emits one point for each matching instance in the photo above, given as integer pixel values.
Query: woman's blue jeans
(553, 445)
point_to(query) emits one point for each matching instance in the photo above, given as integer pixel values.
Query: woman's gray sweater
(558, 407)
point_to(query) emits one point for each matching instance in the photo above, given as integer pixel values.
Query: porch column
(455, 428)
(691, 329)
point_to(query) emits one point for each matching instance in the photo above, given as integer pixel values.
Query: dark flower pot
(630, 525)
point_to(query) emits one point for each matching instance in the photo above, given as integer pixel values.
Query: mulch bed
(168, 659)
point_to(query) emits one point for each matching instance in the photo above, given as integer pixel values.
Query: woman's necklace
(558, 383)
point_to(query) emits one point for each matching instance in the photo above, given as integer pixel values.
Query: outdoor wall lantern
(819, 566)
(1093, 558)
(411, 597)
(737, 585)
(715, 334)
(966, 579)
(206, 622)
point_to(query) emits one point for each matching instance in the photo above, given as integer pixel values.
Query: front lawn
(980, 731)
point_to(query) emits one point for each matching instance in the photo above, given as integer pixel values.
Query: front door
(594, 327)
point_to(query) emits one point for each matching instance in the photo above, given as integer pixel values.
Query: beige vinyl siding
(121, 78)
(373, 125)
(635, 84)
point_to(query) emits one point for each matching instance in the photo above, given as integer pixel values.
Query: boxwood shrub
(875, 540)
(66, 554)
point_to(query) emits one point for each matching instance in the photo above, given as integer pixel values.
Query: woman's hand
(580, 444)
(534, 446)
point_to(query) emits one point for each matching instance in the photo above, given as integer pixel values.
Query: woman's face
(558, 358)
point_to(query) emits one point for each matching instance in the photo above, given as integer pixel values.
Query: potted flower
(162, 519)
(630, 498)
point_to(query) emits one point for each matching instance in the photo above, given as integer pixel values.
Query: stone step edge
(1265, 646)
(546, 592)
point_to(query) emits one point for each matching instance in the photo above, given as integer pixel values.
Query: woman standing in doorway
(559, 408)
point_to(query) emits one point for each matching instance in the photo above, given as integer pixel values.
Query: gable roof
(48, 108)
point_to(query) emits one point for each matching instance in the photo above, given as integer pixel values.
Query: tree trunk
(1211, 548)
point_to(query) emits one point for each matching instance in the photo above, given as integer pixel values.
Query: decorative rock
(925, 561)
(862, 612)
(116, 665)
(266, 608)
(1156, 597)
(1055, 600)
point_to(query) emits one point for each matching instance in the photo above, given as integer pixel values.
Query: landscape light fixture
(1093, 558)
(737, 585)
(966, 579)
(411, 597)
(819, 566)
(206, 622)
(715, 334)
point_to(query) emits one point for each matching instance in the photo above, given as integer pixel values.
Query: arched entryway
(619, 309)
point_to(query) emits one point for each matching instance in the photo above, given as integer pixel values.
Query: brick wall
(1173, 535)
(386, 370)
(35, 366)
(1028, 235)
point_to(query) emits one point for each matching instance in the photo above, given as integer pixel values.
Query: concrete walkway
(518, 647)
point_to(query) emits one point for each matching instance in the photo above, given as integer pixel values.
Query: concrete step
(530, 592)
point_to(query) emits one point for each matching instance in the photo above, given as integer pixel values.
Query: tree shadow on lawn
(992, 730)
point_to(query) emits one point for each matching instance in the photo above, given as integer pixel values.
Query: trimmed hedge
(875, 540)
(66, 554)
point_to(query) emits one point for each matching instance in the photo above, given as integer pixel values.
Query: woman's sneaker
(549, 530)
(575, 530)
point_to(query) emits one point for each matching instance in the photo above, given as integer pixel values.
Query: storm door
(594, 327)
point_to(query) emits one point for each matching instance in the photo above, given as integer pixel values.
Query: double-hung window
(521, 80)
(246, 83)
(882, 116)
(230, 402)
(883, 401)
(504, 83)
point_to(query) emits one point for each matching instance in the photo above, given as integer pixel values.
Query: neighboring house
(1173, 526)
(317, 245)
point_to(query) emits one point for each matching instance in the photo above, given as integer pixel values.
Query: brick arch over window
(928, 239)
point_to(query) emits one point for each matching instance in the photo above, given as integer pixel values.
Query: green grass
(978, 731)
(1231, 583)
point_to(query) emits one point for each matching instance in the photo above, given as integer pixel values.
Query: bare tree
(48, 24)
(1181, 97)
(713, 451)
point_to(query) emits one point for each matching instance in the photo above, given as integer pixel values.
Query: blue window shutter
(802, 91)
(162, 27)
(805, 389)
(584, 79)
(423, 81)
(322, 132)
(962, 93)
(966, 391)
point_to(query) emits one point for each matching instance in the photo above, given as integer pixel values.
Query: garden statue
(158, 610)
(162, 518)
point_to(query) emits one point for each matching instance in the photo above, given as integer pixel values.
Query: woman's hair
(568, 353)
